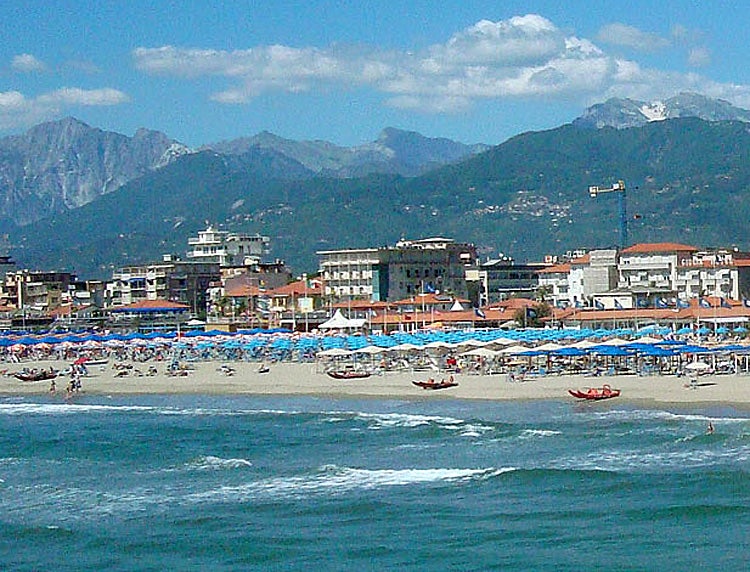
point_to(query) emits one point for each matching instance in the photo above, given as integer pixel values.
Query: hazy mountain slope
(395, 151)
(64, 164)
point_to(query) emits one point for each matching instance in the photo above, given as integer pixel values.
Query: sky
(341, 71)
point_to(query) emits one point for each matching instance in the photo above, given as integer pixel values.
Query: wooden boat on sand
(432, 384)
(595, 393)
(35, 375)
(348, 374)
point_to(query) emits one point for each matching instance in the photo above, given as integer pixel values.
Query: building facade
(227, 249)
(397, 272)
(502, 279)
(177, 281)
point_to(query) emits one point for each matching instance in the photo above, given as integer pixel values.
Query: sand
(205, 378)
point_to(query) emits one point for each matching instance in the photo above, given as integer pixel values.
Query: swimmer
(710, 429)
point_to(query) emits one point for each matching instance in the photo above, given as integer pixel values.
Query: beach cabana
(340, 322)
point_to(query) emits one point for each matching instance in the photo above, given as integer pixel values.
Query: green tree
(532, 316)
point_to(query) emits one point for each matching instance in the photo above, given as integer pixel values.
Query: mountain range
(65, 164)
(687, 178)
(625, 113)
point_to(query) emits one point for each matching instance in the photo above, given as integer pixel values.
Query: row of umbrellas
(513, 342)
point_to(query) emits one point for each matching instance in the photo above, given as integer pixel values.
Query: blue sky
(474, 71)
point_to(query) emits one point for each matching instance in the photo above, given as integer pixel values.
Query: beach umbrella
(334, 352)
(481, 352)
(513, 350)
(614, 342)
(549, 347)
(740, 330)
(569, 351)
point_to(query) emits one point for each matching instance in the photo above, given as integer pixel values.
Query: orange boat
(595, 393)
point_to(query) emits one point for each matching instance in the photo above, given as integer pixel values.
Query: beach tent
(340, 322)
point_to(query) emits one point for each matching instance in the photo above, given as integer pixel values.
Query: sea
(266, 483)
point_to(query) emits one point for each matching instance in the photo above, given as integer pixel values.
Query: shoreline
(295, 379)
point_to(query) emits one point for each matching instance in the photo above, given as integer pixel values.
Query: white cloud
(699, 57)
(623, 35)
(27, 63)
(16, 110)
(524, 56)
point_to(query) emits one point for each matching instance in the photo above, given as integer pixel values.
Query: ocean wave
(331, 479)
(12, 409)
(533, 433)
(639, 460)
(661, 415)
(210, 463)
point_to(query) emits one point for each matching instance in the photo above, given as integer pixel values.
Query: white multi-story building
(649, 274)
(228, 249)
(574, 283)
(174, 280)
(653, 266)
(396, 272)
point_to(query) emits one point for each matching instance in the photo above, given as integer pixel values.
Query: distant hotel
(226, 248)
(391, 273)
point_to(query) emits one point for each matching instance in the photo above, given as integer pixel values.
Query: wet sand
(306, 379)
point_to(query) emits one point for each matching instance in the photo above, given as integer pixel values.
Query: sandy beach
(305, 379)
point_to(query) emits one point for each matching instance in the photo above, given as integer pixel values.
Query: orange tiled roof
(244, 291)
(154, 305)
(556, 269)
(655, 247)
(585, 259)
(429, 300)
(297, 289)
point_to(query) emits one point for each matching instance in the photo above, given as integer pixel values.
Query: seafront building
(388, 273)
(227, 248)
(502, 278)
(174, 280)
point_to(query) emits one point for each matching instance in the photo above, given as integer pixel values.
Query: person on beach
(52, 387)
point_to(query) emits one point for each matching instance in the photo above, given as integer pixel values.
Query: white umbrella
(370, 350)
(549, 347)
(697, 366)
(615, 342)
(512, 350)
(334, 352)
(481, 352)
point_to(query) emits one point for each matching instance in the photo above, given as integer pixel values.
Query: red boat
(432, 384)
(337, 374)
(595, 393)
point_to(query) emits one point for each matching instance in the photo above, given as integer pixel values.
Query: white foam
(660, 415)
(211, 463)
(64, 408)
(643, 460)
(336, 480)
(532, 433)
(407, 419)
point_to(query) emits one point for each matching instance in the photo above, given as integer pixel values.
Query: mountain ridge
(623, 113)
(688, 180)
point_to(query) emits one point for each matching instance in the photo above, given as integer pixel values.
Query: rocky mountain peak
(623, 113)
